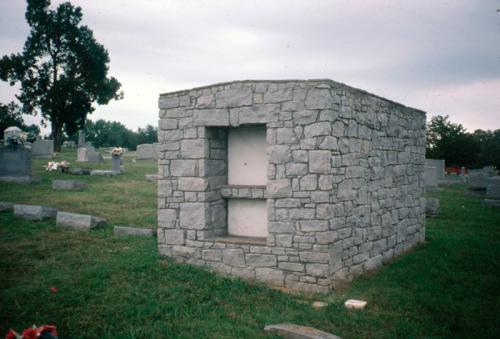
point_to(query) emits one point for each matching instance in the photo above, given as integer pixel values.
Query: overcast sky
(439, 56)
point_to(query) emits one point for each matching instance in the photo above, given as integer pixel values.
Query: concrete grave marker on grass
(67, 185)
(34, 212)
(78, 221)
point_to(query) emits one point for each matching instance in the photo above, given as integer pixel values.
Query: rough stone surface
(78, 221)
(67, 185)
(345, 180)
(34, 212)
(134, 231)
(293, 331)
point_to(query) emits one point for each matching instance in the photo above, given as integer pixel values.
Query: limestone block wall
(345, 180)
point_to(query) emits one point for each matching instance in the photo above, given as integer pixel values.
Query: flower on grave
(54, 165)
(14, 141)
(117, 151)
(42, 332)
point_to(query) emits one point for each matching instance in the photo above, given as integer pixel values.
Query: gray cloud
(401, 50)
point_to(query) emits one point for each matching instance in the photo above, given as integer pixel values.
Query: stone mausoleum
(299, 184)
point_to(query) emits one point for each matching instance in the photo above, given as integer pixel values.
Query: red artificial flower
(30, 333)
(11, 334)
(53, 289)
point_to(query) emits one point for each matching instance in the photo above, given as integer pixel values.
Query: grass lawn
(111, 287)
(127, 199)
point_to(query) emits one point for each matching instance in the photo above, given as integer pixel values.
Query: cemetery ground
(128, 199)
(98, 285)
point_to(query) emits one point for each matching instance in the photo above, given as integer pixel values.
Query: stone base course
(78, 221)
(34, 212)
(67, 185)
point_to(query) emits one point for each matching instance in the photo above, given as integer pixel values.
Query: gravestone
(493, 192)
(144, 152)
(116, 164)
(11, 132)
(43, 148)
(478, 180)
(88, 154)
(431, 179)
(94, 156)
(67, 185)
(81, 138)
(15, 164)
(82, 154)
(439, 165)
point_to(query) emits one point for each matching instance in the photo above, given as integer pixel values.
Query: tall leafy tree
(62, 70)
(450, 141)
(489, 147)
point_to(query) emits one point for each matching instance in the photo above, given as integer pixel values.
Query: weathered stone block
(320, 162)
(233, 257)
(260, 260)
(194, 148)
(67, 185)
(211, 117)
(192, 215)
(78, 221)
(175, 237)
(34, 212)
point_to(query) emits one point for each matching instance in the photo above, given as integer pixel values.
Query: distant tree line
(451, 142)
(104, 133)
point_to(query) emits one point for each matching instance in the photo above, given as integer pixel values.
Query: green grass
(111, 287)
(127, 199)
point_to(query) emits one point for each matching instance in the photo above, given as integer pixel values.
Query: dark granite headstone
(15, 162)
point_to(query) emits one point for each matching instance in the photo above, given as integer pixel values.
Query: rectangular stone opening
(247, 172)
(247, 159)
(247, 218)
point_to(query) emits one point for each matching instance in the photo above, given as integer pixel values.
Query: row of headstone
(147, 152)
